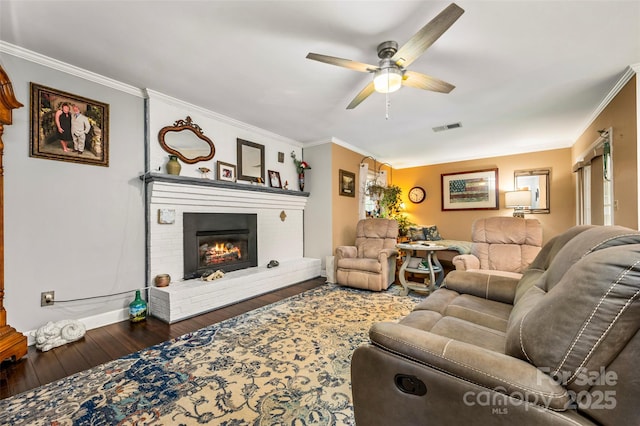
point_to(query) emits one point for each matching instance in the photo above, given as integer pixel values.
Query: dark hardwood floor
(113, 341)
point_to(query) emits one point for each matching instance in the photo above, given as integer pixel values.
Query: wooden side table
(433, 267)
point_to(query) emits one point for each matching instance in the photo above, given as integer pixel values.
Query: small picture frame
(226, 171)
(347, 182)
(274, 179)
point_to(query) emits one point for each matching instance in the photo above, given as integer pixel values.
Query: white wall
(224, 132)
(73, 228)
(318, 222)
(79, 230)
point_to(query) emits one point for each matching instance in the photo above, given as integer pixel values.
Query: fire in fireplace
(220, 250)
(225, 241)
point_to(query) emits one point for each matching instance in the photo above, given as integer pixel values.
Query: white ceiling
(529, 75)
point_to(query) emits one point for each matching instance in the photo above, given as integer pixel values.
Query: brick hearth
(192, 297)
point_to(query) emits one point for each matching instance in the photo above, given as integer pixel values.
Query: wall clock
(417, 194)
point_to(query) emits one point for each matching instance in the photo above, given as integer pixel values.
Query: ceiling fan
(391, 73)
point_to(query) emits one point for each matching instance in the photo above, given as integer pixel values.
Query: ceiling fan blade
(425, 82)
(364, 94)
(346, 63)
(427, 35)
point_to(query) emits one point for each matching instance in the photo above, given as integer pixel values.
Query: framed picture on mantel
(274, 179)
(226, 171)
(68, 127)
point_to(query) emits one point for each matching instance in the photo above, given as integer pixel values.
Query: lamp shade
(515, 199)
(387, 80)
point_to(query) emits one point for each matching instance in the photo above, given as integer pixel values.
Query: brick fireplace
(219, 241)
(278, 216)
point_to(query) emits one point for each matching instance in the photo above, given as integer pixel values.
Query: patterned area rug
(284, 364)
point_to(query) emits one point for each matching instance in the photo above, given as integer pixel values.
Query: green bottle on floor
(137, 309)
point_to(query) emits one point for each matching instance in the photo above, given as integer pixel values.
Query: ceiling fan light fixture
(387, 80)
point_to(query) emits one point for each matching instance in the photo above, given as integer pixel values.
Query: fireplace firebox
(219, 241)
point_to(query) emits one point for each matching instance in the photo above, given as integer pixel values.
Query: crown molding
(55, 64)
(628, 74)
(346, 145)
(152, 94)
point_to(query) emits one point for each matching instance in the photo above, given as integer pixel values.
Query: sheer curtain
(594, 183)
(362, 185)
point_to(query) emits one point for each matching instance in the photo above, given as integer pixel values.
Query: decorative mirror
(536, 181)
(250, 161)
(186, 140)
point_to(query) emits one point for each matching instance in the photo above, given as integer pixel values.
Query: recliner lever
(410, 384)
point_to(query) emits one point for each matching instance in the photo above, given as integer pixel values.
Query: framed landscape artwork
(476, 190)
(347, 183)
(67, 127)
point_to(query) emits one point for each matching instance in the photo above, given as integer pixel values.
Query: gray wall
(317, 216)
(72, 228)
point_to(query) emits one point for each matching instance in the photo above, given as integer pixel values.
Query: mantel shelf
(158, 177)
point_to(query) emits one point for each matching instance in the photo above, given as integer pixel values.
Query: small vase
(301, 181)
(137, 309)
(162, 280)
(173, 166)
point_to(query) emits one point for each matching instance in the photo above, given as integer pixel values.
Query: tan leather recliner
(557, 347)
(502, 245)
(371, 263)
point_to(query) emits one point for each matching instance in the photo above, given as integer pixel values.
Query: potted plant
(375, 191)
(390, 200)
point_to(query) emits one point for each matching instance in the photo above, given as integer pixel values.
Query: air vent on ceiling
(447, 127)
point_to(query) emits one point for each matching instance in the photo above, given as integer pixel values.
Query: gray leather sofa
(557, 347)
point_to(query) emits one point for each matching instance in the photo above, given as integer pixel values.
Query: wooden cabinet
(13, 345)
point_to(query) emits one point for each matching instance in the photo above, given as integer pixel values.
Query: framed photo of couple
(68, 127)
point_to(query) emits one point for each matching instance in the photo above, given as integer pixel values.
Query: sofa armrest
(384, 254)
(489, 369)
(346, 251)
(492, 287)
(462, 262)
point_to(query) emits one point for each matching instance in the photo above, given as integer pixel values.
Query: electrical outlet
(47, 298)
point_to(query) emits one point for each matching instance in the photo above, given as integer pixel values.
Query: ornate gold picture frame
(67, 127)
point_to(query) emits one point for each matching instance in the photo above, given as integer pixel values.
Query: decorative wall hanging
(68, 127)
(347, 183)
(538, 182)
(250, 161)
(476, 190)
(186, 140)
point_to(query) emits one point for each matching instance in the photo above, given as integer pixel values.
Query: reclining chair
(501, 245)
(371, 263)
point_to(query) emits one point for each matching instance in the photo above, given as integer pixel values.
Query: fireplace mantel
(184, 180)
